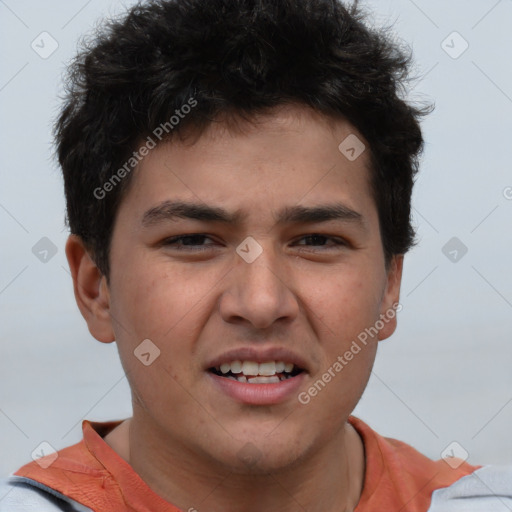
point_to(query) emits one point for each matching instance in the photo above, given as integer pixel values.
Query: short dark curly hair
(232, 58)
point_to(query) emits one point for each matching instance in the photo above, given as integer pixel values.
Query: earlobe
(390, 301)
(91, 290)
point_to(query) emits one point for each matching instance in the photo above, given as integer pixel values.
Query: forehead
(288, 157)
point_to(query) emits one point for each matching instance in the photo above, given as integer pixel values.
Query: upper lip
(258, 355)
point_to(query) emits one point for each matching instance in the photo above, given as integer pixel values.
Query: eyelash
(173, 241)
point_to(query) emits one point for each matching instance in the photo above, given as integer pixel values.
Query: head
(240, 107)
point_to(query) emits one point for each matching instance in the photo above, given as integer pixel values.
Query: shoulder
(19, 494)
(400, 476)
(388, 456)
(488, 488)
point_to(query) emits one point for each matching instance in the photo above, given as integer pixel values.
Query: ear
(390, 300)
(91, 290)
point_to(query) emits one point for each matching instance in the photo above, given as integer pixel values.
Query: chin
(251, 460)
(270, 450)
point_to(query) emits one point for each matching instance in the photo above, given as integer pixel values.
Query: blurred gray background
(444, 376)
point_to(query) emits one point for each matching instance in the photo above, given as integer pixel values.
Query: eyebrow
(173, 210)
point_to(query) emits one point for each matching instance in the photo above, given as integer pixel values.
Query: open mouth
(251, 372)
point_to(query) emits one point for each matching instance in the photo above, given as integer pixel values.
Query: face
(252, 261)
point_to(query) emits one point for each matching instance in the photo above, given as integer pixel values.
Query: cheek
(168, 306)
(345, 307)
(345, 302)
(348, 352)
(157, 300)
(156, 306)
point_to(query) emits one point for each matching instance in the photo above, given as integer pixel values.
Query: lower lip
(259, 394)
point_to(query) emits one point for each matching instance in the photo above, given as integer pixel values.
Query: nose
(259, 293)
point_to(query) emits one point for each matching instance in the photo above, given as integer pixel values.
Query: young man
(238, 177)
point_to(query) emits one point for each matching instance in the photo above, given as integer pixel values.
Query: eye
(320, 240)
(188, 242)
(196, 242)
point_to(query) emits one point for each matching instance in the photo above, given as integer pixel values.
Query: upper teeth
(253, 368)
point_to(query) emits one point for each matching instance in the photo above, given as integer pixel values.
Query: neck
(328, 480)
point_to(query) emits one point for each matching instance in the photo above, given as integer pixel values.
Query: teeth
(253, 369)
(250, 368)
(267, 368)
(264, 380)
(236, 366)
(259, 380)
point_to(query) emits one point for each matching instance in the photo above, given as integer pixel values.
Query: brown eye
(188, 242)
(321, 240)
